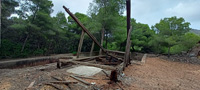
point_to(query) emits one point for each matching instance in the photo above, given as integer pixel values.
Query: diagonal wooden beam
(83, 28)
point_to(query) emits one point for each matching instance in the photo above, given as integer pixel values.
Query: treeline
(35, 32)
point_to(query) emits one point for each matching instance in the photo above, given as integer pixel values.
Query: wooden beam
(92, 48)
(90, 64)
(63, 82)
(83, 28)
(127, 52)
(102, 37)
(80, 43)
(81, 80)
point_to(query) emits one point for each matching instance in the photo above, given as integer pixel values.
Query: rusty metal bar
(81, 25)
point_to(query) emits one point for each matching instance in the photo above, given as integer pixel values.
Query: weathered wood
(127, 52)
(63, 82)
(92, 48)
(102, 37)
(88, 58)
(83, 28)
(31, 85)
(83, 81)
(105, 73)
(55, 86)
(112, 51)
(87, 77)
(57, 78)
(80, 43)
(90, 64)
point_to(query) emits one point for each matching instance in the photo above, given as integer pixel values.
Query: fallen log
(83, 81)
(90, 64)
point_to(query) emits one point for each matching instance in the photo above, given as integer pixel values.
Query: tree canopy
(35, 32)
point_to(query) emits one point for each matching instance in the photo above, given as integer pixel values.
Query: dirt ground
(155, 74)
(158, 74)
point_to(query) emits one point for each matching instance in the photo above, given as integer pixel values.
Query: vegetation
(35, 32)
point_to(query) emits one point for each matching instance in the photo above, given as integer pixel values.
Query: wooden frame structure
(109, 54)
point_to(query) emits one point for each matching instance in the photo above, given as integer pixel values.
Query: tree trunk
(169, 52)
(24, 43)
(80, 43)
(92, 48)
(102, 36)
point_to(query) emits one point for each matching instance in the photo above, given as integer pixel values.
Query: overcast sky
(145, 11)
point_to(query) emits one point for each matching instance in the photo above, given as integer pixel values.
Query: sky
(144, 11)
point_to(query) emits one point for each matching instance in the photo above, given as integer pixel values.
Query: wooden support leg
(80, 43)
(92, 48)
(127, 52)
(102, 37)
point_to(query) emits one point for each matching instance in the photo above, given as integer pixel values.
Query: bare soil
(155, 74)
(158, 74)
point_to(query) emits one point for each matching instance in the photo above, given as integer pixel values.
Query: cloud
(145, 11)
(73, 5)
(189, 10)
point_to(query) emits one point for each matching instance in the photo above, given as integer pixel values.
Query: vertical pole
(127, 51)
(102, 37)
(92, 48)
(0, 23)
(80, 43)
(128, 9)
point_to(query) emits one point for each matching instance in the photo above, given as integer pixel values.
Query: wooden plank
(55, 86)
(83, 81)
(80, 43)
(63, 82)
(92, 48)
(87, 77)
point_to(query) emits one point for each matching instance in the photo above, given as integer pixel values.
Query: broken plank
(83, 81)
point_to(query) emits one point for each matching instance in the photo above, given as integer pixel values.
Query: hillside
(195, 31)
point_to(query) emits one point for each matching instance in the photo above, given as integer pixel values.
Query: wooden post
(0, 23)
(127, 52)
(80, 43)
(102, 37)
(92, 48)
